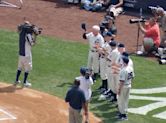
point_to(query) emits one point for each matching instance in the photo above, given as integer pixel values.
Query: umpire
(76, 99)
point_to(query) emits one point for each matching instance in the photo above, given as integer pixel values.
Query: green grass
(56, 63)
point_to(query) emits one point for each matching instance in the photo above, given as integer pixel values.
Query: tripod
(137, 45)
(7, 4)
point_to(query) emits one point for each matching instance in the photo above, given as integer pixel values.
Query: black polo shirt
(75, 96)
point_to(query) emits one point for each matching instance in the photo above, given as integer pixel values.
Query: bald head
(160, 11)
(95, 29)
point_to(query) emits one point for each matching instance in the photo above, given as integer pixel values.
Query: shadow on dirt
(9, 89)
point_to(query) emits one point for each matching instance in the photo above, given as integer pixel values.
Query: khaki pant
(75, 116)
(123, 100)
(93, 61)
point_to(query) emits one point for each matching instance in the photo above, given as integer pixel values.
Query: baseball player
(104, 51)
(96, 41)
(113, 70)
(26, 41)
(85, 84)
(126, 76)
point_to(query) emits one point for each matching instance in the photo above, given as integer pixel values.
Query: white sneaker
(17, 82)
(27, 84)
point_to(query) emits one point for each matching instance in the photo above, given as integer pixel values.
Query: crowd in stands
(114, 6)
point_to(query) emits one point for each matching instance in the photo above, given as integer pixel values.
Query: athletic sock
(25, 76)
(18, 75)
(105, 84)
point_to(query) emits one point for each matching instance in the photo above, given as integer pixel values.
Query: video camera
(104, 24)
(28, 28)
(132, 21)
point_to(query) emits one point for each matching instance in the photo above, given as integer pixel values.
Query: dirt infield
(63, 20)
(30, 106)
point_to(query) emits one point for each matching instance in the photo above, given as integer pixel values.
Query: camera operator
(26, 41)
(111, 29)
(151, 33)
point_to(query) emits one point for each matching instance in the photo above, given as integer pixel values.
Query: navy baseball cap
(112, 43)
(125, 54)
(121, 45)
(125, 59)
(84, 70)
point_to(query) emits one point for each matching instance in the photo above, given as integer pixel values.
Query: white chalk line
(10, 116)
(147, 108)
(161, 115)
(149, 91)
(159, 101)
(163, 99)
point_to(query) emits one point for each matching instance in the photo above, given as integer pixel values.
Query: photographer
(108, 26)
(151, 33)
(26, 41)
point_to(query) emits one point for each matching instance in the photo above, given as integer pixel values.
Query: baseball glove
(83, 26)
(84, 36)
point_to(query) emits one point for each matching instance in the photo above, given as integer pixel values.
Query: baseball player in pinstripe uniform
(113, 70)
(26, 41)
(126, 76)
(104, 51)
(96, 41)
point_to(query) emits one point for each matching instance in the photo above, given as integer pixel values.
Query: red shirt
(154, 33)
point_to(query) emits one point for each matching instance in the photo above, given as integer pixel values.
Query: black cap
(125, 59)
(112, 43)
(83, 70)
(125, 54)
(121, 45)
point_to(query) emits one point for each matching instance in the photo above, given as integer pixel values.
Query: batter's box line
(10, 116)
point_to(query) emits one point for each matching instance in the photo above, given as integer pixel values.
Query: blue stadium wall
(144, 4)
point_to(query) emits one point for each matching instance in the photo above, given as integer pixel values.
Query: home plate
(4, 115)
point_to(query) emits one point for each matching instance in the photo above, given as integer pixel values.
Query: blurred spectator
(114, 6)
